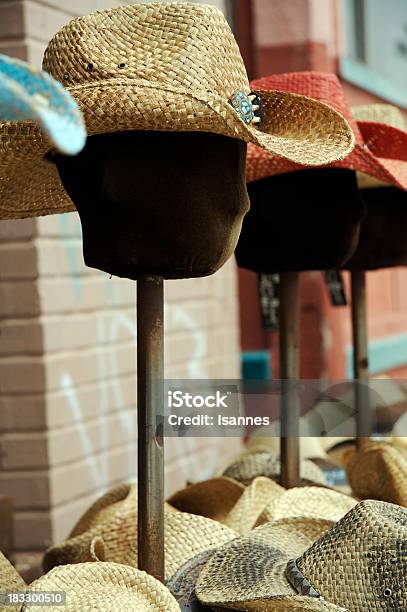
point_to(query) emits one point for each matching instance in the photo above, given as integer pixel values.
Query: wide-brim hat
(101, 587)
(372, 120)
(29, 94)
(113, 521)
(306, 531)
(378, 470)
(309, 502)
(380, 150)
(226, 500)
(97, 586)
(358, 564)
(250, 465)
(161, 67)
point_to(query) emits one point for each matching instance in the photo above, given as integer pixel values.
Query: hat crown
(180, 46)
(361, 563)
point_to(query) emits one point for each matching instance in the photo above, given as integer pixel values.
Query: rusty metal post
(289, 373)
(360, 357)
(150, 374)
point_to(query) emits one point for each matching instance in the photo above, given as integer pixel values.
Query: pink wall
(306, 35)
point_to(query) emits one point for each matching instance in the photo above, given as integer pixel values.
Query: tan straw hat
(359, 565)
(89, 587)
(10, 581)
(113, 519)
(379, 471)
(249, 465)
(310, 502)
(104, 587)
(162, 67)
(228, 501)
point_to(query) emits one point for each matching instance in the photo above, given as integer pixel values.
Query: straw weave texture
(359, 564)
(310, 502)
(186, 535)
(228, 501)
(379, 471)
(103, 587)
(159, 66)
(380, 151)
(251, 465)
(248, 573)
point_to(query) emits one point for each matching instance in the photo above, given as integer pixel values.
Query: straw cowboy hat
(100, 587)
(113, 520)
(379, 470)
(228, 501)
(162, 67)
(309, 502)
(358, 565)
(183, 583)
(29, 94)
(249, 465)
(380, 151)
(383, 115)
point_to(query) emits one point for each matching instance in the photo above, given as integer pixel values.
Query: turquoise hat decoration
(28, 94)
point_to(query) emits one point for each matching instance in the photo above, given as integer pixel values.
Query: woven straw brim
(250, 465)
(228, 501)
(186, 535)
(10, 580)
(303, 130)
(379, 471)
(99, 587)
(213, 498)
(249, 573)
(250, 509)
(311, 502)
(372, 170)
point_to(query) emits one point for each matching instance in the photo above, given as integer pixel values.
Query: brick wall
(67, 349)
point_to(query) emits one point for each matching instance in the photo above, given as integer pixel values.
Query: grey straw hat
(359, 565)
(250, 465)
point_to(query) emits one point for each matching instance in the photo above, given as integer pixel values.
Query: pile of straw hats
(199, 521)
(108, 532)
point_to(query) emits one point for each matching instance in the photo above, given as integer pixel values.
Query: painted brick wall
(67, 349)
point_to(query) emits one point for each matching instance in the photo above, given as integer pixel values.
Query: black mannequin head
(383, 232)
(164, 203)
(305, 220)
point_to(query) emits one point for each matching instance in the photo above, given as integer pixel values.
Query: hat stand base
(360, 358)
(150, 374)
(289, 374)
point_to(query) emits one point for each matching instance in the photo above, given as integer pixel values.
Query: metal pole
(150, 374)
(360, 357)
(289, 373)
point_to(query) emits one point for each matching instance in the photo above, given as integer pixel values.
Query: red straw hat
(378, 145)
